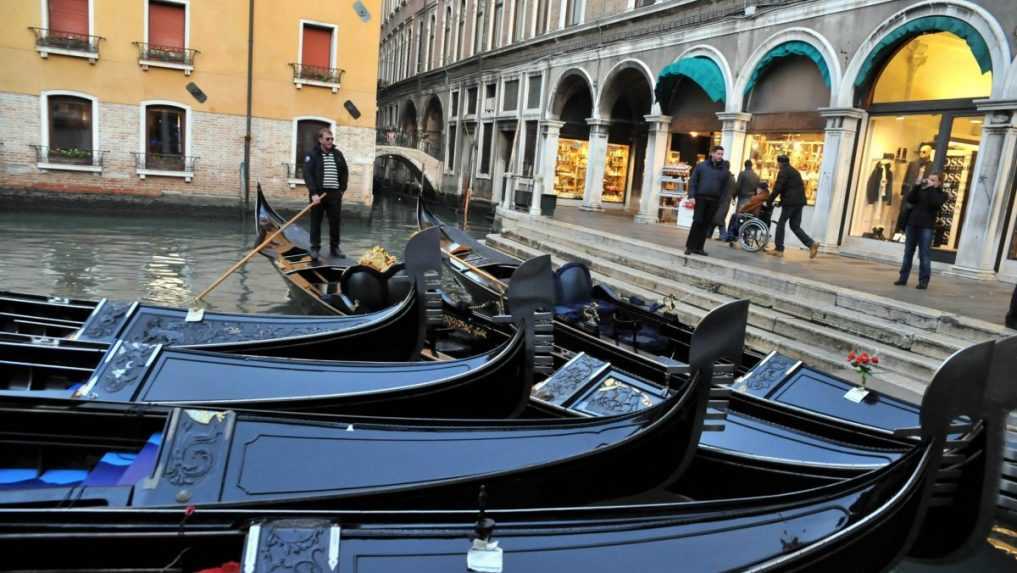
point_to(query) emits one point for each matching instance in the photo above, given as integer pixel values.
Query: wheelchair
(754, 231)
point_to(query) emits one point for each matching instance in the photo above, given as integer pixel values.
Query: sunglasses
(328, 139)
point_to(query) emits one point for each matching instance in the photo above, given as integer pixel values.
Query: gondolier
(326, 174)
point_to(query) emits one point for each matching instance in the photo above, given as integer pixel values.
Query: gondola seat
(368, 290)
(110, 469)
(143, 463)
(574, 291)
(21, 478)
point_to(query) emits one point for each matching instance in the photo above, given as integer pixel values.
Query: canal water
(167, 259)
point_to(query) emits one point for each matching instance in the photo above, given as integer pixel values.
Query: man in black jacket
(926, 201)
(791, 190)
(709, 181)
(326, 176)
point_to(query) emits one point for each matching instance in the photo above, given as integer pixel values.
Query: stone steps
(771, 292)
(760, 335)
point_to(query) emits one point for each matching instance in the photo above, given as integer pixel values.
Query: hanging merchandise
(570, 173)
(616, 173)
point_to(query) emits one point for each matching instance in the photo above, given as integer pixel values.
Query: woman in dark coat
(925, 201)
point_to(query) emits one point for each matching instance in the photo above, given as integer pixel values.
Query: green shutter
(792, 48)
(703, 71)
(926, 25)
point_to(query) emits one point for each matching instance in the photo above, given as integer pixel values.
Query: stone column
(653, 165)
(732, 136)
(596, 161)
(986, 213)
(842, 127)
(544, 182)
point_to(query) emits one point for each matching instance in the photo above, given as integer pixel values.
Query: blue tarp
(703, 71)
(926, 25)
(792, 48)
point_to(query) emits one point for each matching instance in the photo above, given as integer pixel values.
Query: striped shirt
(330, 180)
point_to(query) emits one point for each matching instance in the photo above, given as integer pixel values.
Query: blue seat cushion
(144, 462)
(62, 477)
(110, 468)
(16, 477)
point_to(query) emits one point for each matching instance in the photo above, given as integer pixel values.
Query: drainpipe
(250, 82)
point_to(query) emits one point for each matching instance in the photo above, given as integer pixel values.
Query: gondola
(866, 523)
(95, 454)
(491, 377)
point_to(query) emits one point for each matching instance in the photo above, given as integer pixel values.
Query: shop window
(471, 101)
(533, 93)
(305, 139)
(68, 16)
(485, 153)
(958, 174)
(804, 149)
(166, 23)
(570, 172)
(510, 96)
(928, 67)
(70, 130)
(165, 133)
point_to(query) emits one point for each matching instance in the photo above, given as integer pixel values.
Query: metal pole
(250, 92)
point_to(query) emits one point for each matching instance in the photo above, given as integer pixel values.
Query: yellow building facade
(150, 97)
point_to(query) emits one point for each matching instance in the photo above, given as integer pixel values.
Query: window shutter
(69, 16)
(317, 47)
(166, 25)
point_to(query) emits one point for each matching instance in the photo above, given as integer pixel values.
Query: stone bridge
(429, 166)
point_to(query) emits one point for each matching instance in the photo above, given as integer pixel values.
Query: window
(430, 42)
(510, 99)
(461, 38)
(451, 155)
(446, 42)
(485, 150)
(305, 137)
(166, 25)
(409, 51)
(420, 48)
(317, 65)
(520, 20)
(68, 16)
(572, 13)
(542, 15)
(471, 101)
(165, 140)
(66, 29)
(479, 28)
(530, 151)
(69, 137)
(533, 94)
(489, 93)
(499, 8)
(453, 109)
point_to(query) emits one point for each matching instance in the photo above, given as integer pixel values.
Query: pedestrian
(720, 218)
(749, 208)
(1011, 317)
(326, 176)
(925, 200)
(707, 184)
(748, 183)
(790, 189)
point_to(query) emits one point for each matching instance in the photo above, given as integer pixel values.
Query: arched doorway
(626, 100)
(408, 125)
(434, 125)
(694, 124)
(572, 104)
(919, 122)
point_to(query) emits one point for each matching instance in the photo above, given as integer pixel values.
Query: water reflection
(166, 260)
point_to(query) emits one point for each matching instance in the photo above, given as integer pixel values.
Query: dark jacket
(875, 178)
(709, 180)
(748, 180)
(789, 187)
(925, 204)
(314, 170)
(720, 217)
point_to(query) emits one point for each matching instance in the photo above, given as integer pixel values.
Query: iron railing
(168, 54)
(317, 73)
(47, 38)
(68, 155)
(164, 162)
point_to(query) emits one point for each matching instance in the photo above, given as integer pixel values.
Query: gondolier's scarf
(331, 174)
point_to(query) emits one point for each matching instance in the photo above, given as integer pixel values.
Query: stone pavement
(984, 300)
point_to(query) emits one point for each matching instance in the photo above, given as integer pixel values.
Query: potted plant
(71, 155)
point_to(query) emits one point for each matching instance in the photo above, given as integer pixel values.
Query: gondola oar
(254, 251)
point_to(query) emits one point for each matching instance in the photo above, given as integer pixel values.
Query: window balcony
(317, 76)
(66, 44)
(164, 165)
(68, 159)
(155, 56)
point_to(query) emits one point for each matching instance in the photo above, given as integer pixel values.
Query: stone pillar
(653, 165)
(986, 213)
(842, 127)
(544, 182)
(732, 136)
(596, 161)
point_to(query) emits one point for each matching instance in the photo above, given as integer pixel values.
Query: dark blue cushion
(110, 468)
(144, 463)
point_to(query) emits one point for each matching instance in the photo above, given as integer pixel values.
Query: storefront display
(674, 184)
(805, 151)
(570, 174)
(616, 173)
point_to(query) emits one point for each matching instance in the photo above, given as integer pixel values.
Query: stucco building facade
(609, 104)
(150, 97)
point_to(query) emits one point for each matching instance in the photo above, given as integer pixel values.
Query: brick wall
(217, 141)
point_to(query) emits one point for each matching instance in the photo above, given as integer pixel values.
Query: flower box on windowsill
(185, 175)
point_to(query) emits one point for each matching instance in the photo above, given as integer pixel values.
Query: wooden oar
(500, 285)
(254, 251)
